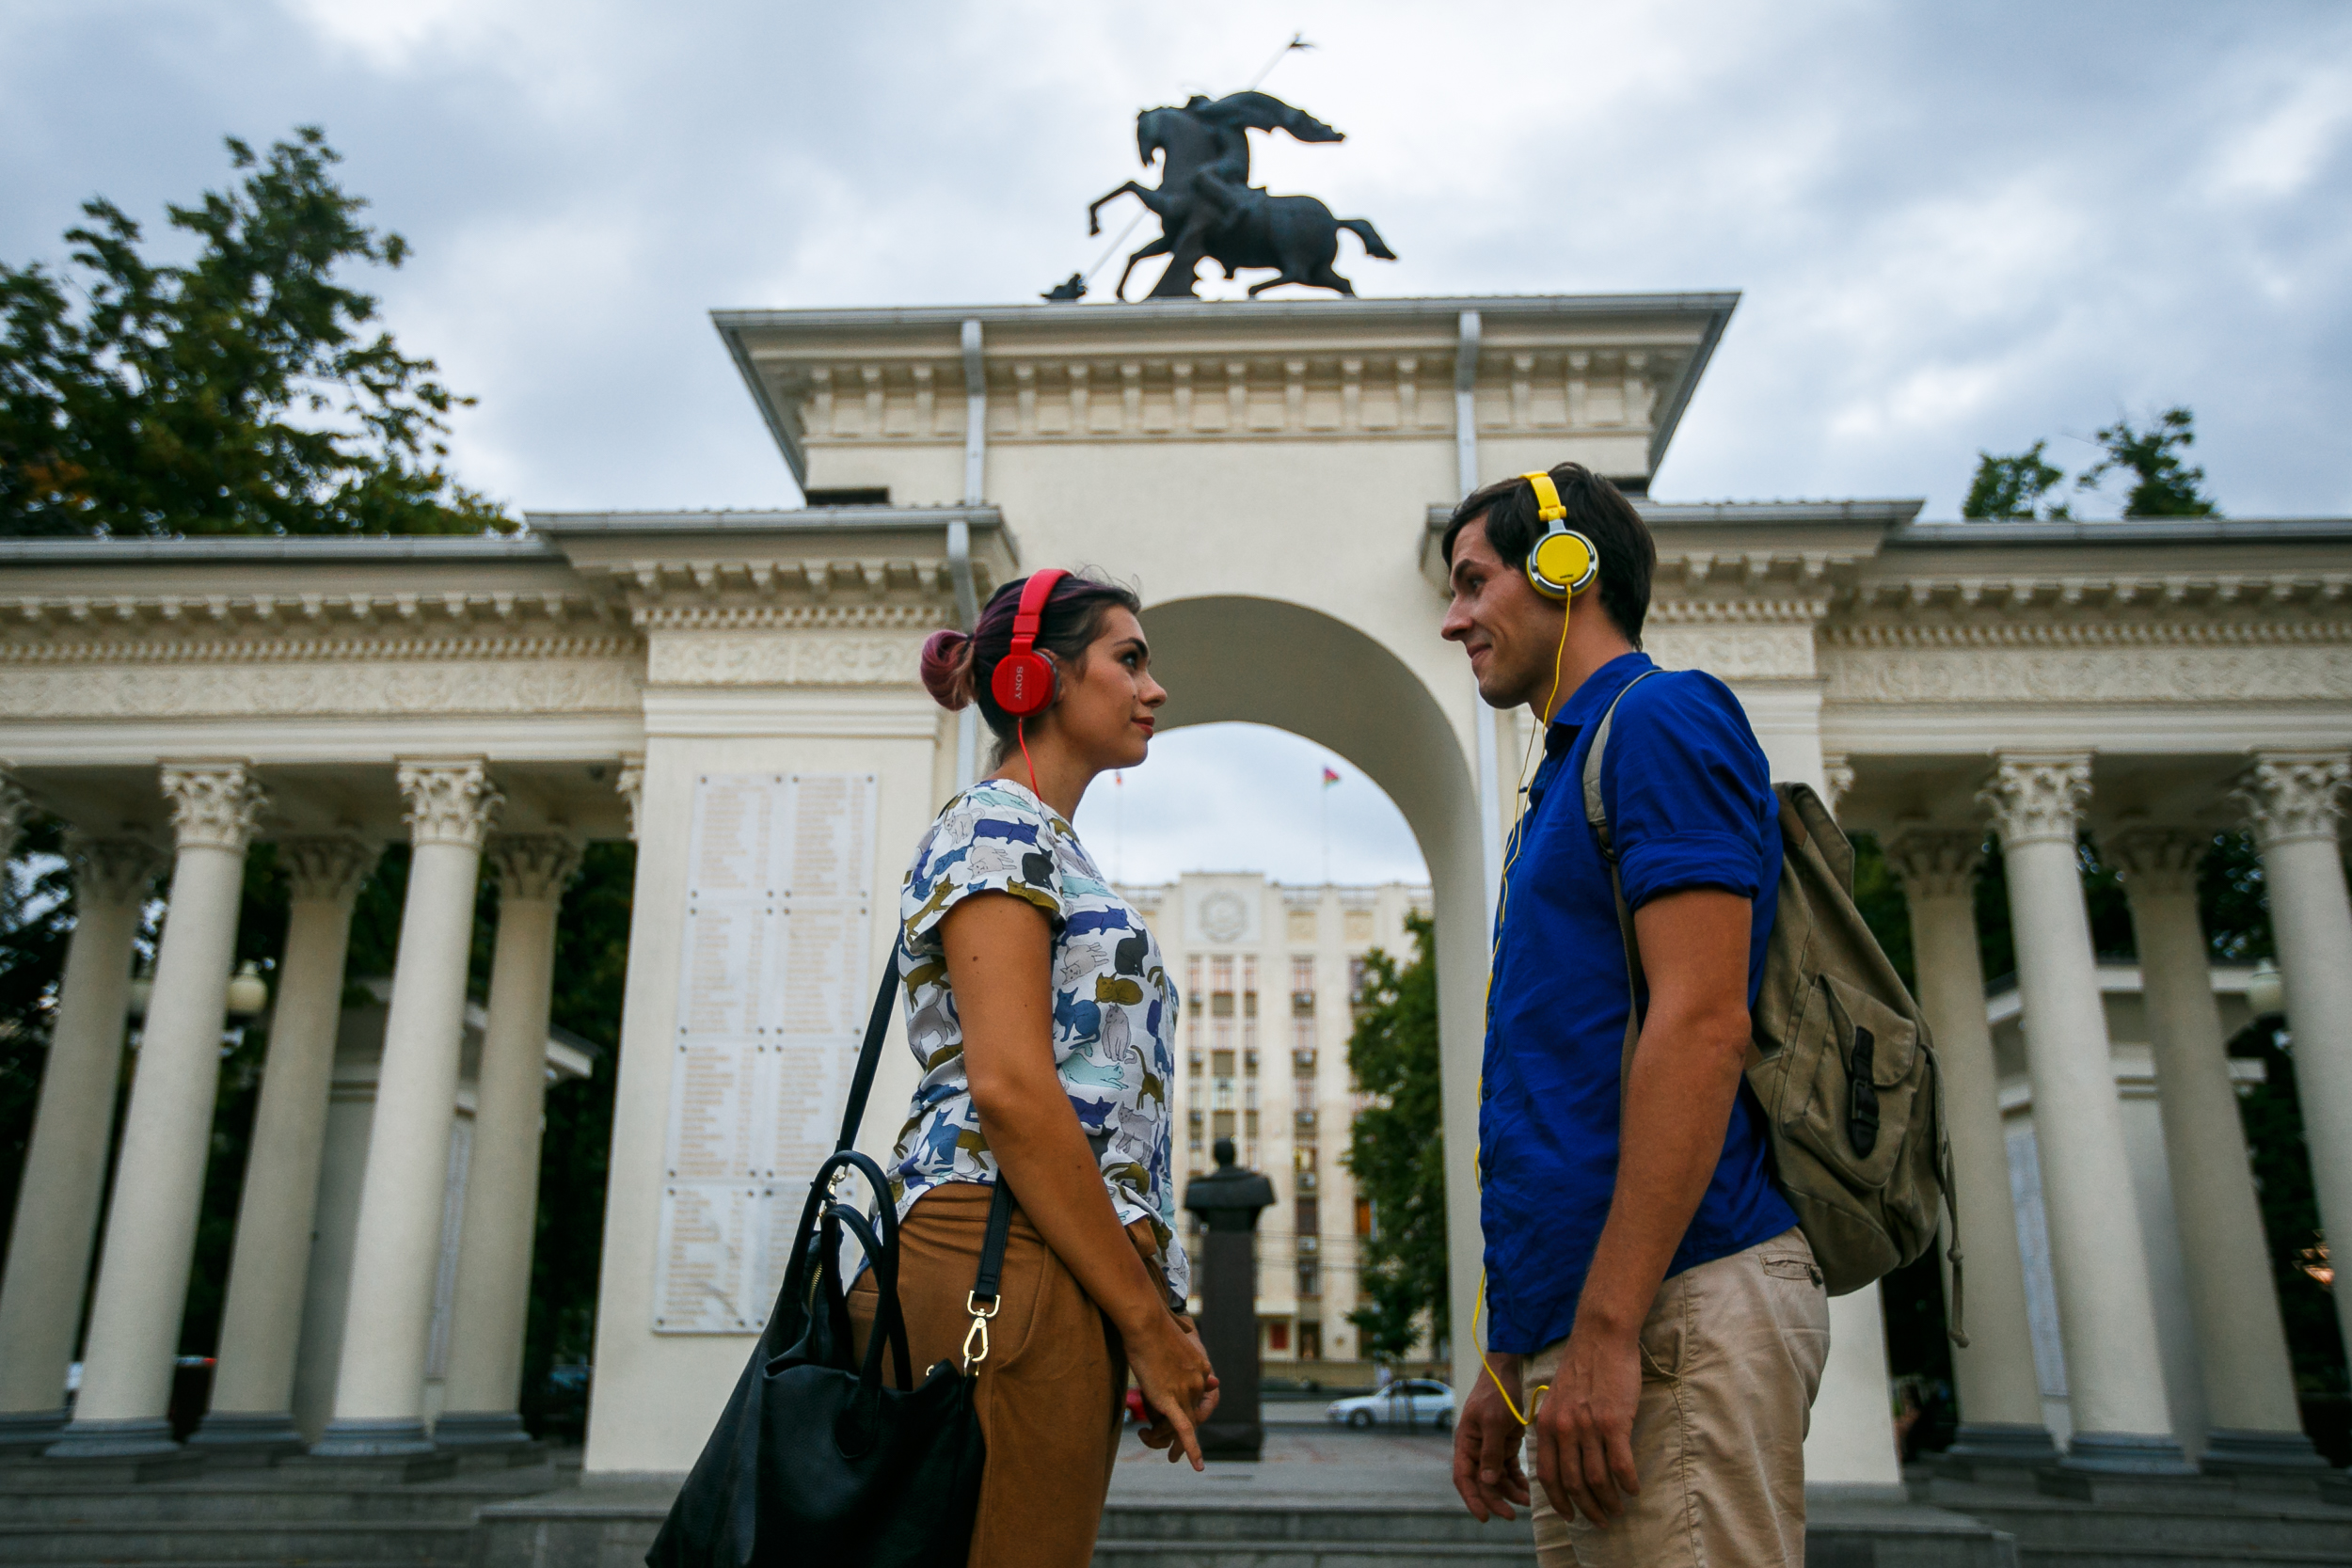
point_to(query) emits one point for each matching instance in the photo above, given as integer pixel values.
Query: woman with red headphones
(1044, 1023)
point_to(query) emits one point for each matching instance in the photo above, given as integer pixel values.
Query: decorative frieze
(785, 659)
(533, 867)
(433, 688)
(293, 620)
(215, 805)
(2156, 859)
(449, 802)
(2117, 672)
(2036, 797)
(1936, 863)
(2289, 796)
(325, 869)
(114, 870)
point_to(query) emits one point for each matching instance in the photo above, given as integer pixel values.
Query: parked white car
(1407, 1402)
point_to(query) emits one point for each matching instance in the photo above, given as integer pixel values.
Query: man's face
(1511, 632)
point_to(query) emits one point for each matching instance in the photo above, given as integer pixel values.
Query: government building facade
(736, 694)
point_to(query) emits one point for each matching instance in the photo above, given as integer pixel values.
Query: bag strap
(870, 1055)
(987, 1283)
(1597, 813)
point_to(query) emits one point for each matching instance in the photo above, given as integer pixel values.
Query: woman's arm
(999, 952)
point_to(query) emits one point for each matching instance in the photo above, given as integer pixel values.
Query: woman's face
(1107, 701)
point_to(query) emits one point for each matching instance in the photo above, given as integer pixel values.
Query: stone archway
(1234, 657)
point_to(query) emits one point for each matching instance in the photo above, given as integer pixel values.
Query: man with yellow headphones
(1656, 1325)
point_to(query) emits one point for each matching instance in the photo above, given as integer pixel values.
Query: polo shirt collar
(1587, 703)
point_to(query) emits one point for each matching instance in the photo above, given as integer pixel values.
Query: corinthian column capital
(215, 805)
(631, 787)
(533, 867)
(16, 809)
(449, 802)
(2038, 797)
(2289, 796)
(2155, 860)
(1936, 863)
(112, 870)
(326, 867)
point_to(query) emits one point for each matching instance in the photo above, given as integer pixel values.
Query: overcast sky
(1954, 228)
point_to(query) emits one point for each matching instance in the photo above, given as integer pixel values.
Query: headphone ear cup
(1024, 684)
(1562, 564)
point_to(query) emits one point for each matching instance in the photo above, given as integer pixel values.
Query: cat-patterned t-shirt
(1114, 1008)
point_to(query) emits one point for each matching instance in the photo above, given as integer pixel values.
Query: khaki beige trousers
(1731, 1358)
(1051, 1393)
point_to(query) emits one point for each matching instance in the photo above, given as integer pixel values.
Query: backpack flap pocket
(1852, 1083)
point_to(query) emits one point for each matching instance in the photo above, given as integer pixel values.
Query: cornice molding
(925, 617)
(107, 647)
(1740, 613)
(458, 607)
(1992, 633)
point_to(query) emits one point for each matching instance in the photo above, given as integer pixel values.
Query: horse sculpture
(1208, 208)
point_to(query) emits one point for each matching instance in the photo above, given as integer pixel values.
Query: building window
(1309, 1334)
(1309, 1216)
(1363, 1216)
(1304, 1159)
(1192, 1061)
(1221, 1123)
(1356, 979)
(1303, 1095)
(1221, 1063)
(1249, 1126)
(1277, 1336)
(1302, 1061)
(1221, 975)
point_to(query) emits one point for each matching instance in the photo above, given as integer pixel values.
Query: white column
(2106, 1317)
(387, 1326)
(2247, 1376)
(65, 1168)
(2000, 1401)
(261, 1322)
(493, 1296)
(2293, 800)
(167, 1132)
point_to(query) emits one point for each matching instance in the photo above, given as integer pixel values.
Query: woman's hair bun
(948, 668)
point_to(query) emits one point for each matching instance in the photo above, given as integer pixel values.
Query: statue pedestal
(1228, 1201)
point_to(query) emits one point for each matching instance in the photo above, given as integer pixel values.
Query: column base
(1997, 1450)
(249, 1437)
(2262, 1458)
(1243, 1440)
(124, 1452)
(2119, 1466)
(478, 1429)
(393, 1437)
(25, 1432)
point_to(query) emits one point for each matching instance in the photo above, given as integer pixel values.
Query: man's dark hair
(1597, 510)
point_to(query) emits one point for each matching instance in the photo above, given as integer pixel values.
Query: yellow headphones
(1564, 562)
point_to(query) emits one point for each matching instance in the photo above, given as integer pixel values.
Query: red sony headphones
(1025, 680)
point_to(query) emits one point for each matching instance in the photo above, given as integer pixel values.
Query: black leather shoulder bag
(816, 1460)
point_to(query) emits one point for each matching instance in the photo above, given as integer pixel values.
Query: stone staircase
(2195, 1523)
(216, 1516)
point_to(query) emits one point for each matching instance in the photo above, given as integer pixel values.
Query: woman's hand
(1180, 1389)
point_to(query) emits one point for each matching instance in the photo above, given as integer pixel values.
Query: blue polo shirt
(1691, 805)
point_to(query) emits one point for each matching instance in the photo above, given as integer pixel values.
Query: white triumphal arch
(737, 691)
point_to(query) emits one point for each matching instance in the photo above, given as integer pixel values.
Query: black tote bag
(817, 1460)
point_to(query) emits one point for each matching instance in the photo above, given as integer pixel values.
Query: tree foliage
(2014, 486)
(245, 391)
(2162, 484)
(1397, 1151)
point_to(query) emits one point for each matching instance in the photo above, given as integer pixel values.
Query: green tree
(2013, 486)
(247, 392)
(2162, 484)
(1397, 1149)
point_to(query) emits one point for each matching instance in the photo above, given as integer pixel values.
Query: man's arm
(1679, 1091)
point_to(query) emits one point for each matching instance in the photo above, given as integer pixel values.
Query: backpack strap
(1597, 813)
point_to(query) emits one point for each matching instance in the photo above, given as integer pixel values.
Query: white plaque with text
(770, 1009)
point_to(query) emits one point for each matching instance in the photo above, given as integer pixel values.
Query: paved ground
(1302, 1458)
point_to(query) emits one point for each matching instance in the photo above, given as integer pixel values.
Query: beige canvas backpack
(1839, 1059)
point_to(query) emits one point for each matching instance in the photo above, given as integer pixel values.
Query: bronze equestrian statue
(1208, 208)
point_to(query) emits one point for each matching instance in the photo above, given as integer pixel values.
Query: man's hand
(1585, 1429)
(1487, 1439)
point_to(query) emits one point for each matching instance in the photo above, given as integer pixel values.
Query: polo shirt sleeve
(1687, 790)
